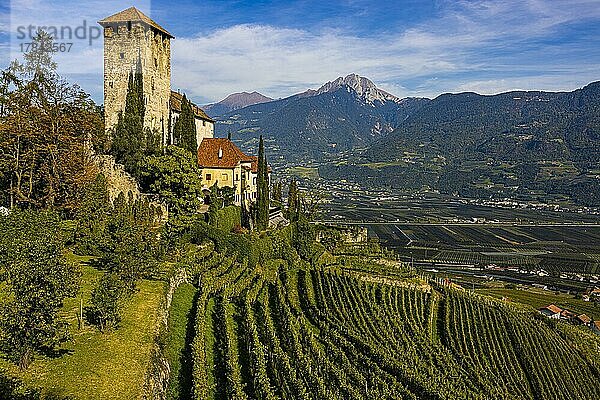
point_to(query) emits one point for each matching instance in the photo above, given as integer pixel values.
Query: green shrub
(227, 218)
(108, 300)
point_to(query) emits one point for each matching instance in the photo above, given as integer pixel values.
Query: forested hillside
(334, 118)
(536, 145)
(513, 126)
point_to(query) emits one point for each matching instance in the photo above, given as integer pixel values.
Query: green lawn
(96, 365)
(538, 299)
(304, 172)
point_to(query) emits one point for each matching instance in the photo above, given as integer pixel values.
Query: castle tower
(131, 37)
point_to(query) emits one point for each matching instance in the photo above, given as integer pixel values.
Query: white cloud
(282, 61)
(467, 39)
(83, 62)
(480, 45)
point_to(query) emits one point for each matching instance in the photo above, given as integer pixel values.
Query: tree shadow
(53, 352)
(185, 379)
(12, 388)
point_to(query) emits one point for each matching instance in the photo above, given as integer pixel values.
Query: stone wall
(124, 45)
(119, 181)
(348, 234)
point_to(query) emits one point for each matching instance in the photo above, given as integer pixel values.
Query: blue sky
(409, 48)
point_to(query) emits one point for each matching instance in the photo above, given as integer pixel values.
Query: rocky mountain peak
(236, 101)
(363, 87)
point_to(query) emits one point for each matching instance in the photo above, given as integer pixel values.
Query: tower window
(128, 25)
(110, 84)
(122, 55)
(208, 177)
(156, 62)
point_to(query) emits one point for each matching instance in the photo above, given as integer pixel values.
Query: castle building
(132, 41)
(205, 125)
(130, 37)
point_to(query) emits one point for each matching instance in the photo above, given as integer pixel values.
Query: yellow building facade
(223, 163)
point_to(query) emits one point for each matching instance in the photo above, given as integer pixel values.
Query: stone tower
(130, 37)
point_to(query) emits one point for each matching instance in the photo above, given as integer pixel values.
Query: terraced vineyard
(359, 328)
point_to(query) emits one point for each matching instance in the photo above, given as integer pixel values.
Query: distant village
(555, 312)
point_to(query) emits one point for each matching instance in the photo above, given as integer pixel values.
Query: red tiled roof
(177, 98)
(134, 15)
(597, 324)
(554, 309)
(584, 318)
(231, 155)
(253, 164)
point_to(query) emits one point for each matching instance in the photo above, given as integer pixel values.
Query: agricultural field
(444, 232)
(367, 327)
(303, 172)
(554, 249)
(537, 299)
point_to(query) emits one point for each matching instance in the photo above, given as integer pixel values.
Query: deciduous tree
(37, 279)
(175, 177)
(45, 130)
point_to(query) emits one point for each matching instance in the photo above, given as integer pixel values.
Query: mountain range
(521, 144)
(340, 115)
(514, 144)
(235, 101)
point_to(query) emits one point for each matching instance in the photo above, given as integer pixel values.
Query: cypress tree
(128, 135)
(184, 132)
(262, 200)
(267, 185)
(131, 141)
(292, 201)
(277, 194)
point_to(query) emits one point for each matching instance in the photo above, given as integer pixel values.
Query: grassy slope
(96, 365)
(539, 299)
(179, 325)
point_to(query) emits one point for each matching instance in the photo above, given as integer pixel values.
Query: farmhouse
(568, 315)
(552, 311)
(596, 327)
(583, 319)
